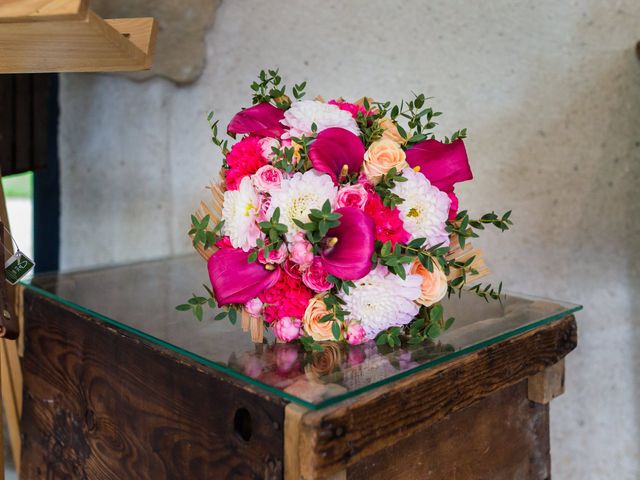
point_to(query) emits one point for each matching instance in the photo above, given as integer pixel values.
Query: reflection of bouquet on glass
(337, 220)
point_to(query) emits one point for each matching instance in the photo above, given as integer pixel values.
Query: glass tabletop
(141, 298)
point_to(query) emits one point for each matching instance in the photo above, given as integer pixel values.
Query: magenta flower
(443, 164)
(334, 148)
(235, 280)
(349, 245)
(262, 120)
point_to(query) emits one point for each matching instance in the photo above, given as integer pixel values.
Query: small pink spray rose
(315, 277)
(267, 178)
(254, 307)
(287, 329)
(352, 196)
(276, 256)
(300, 250)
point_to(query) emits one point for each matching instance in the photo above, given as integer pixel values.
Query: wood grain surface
(339, 436)
(502, 437)
(101, 404)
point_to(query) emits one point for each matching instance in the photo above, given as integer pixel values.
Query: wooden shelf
(66, 36)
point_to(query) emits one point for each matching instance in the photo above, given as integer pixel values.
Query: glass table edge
(286, 396)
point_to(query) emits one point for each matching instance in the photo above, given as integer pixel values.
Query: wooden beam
(338, 436)
(12, 11)
(548, 384)
(65, 36)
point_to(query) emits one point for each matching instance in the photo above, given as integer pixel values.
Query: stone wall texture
(550, 93)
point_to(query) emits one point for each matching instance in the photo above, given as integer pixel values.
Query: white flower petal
(382, 300)
(298, 195)
(302, 115)
(239, 211)
(425, 209)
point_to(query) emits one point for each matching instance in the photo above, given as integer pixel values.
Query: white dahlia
(382, 300)
(302, 115)
(425, 209)
(239, 212)
(298, 195)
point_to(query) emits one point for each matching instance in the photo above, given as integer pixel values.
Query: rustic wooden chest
(120, 385)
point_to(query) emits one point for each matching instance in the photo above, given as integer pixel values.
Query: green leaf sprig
(386, 184)
(201, 232)
(319, 224)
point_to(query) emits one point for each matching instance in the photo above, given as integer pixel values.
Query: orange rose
(311, 320)
(382, 156)
(390, 130)
(434, 284)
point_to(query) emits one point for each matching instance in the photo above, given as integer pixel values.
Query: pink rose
(301, 251)
(287, 329)
(267, 178)
(352, 196)
(267, 145)
(254, 307)
(276, 256)
(355, 334)
(315, 277)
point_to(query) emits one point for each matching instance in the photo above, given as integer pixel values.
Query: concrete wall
(550, 92)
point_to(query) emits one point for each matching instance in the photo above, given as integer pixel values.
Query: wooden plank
(292, 417)
(87, 45)
(101, 403)
(502, 437)
(548, 384)
(141, 32)
(12, 11)
(341, 435)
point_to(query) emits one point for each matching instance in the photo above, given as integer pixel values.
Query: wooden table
(119, 385)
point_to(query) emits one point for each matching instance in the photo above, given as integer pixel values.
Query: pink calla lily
(234, 279)
(334, 148)
(443, 164)
(262, 120)
(350, 256)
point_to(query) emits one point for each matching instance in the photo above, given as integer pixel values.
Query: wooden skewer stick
(257, 330)
(245, 320)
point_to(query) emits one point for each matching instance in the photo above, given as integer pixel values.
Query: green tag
(17, 267)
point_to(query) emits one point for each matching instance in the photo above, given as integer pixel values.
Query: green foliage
(383, 188)
(464, 226)
(202, 233)
(319, 224)
(195, 305)
(487, 292)
(274, 231)
(269, 88)
(223, 145)
(309, 344)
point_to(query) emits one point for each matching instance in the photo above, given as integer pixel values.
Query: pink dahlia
(245, 158)
(388, 225)
(288, 297)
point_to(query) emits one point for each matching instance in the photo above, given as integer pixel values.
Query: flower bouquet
(337, 220)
